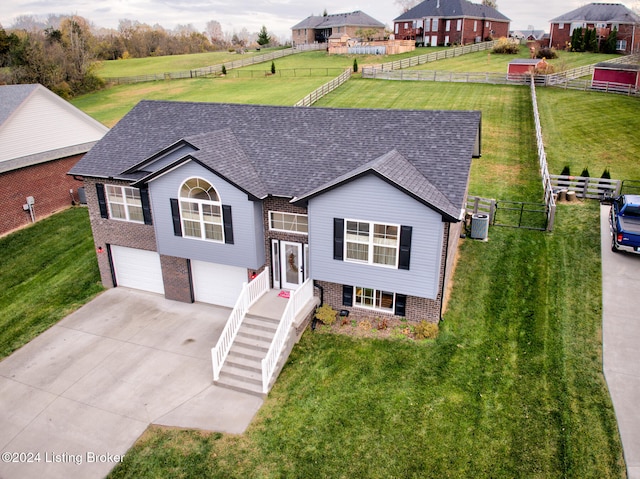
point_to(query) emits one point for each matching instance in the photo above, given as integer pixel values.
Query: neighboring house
(524, 66)
(528, 35)
(603, 17)
(621, 74)
(190, 200)
(319, 28)
(41, 137)
(448, 22)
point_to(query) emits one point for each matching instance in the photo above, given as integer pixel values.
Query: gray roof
(526, 61)
(295, 152)
(357, 19)
(600, 12)
(618, 66)
(11, 97)
(451, 8)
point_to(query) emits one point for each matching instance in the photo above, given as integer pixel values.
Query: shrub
(355, 65)
(426, 330)
(224, 70)
(504, 45)
(547, 53)
(365, 324)
(605, 174)
(566, 171)
(273, 68)
(326, 314)
(585, 172)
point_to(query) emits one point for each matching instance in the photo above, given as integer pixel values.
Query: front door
(291, 265)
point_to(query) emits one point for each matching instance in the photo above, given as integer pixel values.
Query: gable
(44, 123)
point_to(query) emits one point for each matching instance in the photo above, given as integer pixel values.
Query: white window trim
(621, 45)
(459, 25)
(125, 204)
(376, 293)
(371, 244)
(447, 26)
(201, 220)
(297, 215)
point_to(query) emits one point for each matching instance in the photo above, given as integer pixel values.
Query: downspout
(444, 276)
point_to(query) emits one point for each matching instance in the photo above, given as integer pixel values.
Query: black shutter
(227, 223)
(347, 295)
(404, 256)
(146, 206)
(338, 238)
(401, 305)
(175, 216)
(102, 201)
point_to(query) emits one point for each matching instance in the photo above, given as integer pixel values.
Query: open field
(48, 271)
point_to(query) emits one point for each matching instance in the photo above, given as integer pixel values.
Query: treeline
(62, 53)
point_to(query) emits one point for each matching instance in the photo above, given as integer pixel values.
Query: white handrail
(297, 300)
(249, 295)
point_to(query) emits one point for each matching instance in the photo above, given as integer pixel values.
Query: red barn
(524, 66)
(616, 73)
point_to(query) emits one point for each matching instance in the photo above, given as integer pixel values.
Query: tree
(368, 34)
(263, 37)
(214, 30)
(407, 5)
(611, 42)
(577, 40)
(490, 3)
(273, 68)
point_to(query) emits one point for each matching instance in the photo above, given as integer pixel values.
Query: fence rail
(318, 93)
(213, 69)
(249, 295)
(427, 58)
(584, 187)
(286, 73)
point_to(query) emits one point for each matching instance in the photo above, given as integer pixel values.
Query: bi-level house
(191, 200)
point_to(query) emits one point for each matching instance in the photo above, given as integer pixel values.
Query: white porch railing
(297, 300)
(249, 295)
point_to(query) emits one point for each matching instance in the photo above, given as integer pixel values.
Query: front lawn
(512, 387)
(48, 270)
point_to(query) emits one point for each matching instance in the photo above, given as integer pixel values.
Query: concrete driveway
(621, 341)
(77, 397)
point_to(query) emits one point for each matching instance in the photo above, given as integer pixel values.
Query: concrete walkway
(78, 396)
(621, 341)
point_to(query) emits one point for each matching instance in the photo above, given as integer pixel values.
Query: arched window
(201, 210)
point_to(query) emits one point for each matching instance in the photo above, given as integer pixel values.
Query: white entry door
(291, 267)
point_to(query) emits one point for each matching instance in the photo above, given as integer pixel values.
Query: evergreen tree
(355, 65)
(263, 37)
(273, 68)
(611, 41)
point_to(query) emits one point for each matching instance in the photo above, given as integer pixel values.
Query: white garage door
(217, 283)
(137, 268)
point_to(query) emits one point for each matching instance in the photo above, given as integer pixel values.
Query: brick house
(319, 28)
(42, 137)
(447, 22)
(603, 17)
(190, 200)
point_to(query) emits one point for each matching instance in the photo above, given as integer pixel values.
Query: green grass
(512, 387)
(593, 130)
(494, 63)
(168, 63)
(48, 270)
(108, 106)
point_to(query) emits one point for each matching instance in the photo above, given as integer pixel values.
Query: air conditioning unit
(480, 226)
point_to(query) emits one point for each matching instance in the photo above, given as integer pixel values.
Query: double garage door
(212, 283)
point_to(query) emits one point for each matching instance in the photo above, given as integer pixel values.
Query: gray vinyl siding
(371, 199)
(248, 248)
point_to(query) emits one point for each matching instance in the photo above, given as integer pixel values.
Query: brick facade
(49, 185)
(116, 232)
(471, 31)
(176, 275)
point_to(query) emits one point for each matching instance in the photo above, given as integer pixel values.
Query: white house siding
(372, 199)
(44, 123)
(248, 248)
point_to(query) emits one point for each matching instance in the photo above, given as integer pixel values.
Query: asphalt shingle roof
(357, 19)
(451, 8)
(289, 152)
(11, 97)
(599, 12)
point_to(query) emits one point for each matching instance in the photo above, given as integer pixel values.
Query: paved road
(621, 341)
(77, 397)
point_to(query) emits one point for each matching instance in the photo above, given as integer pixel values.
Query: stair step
(244, 375)
(252, 343)
(264, 324)
(244, 363)
(256, 334)
(241, 386)
(246, 352)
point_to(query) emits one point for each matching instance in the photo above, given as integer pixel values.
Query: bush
(566, 171)
(506, 46)
(585, 172)
(355, 65)
(547, 53)
(224, 70)
(326, 314)
(605, 174)
(273, 68)
(426, 330)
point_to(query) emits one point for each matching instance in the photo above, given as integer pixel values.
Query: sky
(278, 16)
